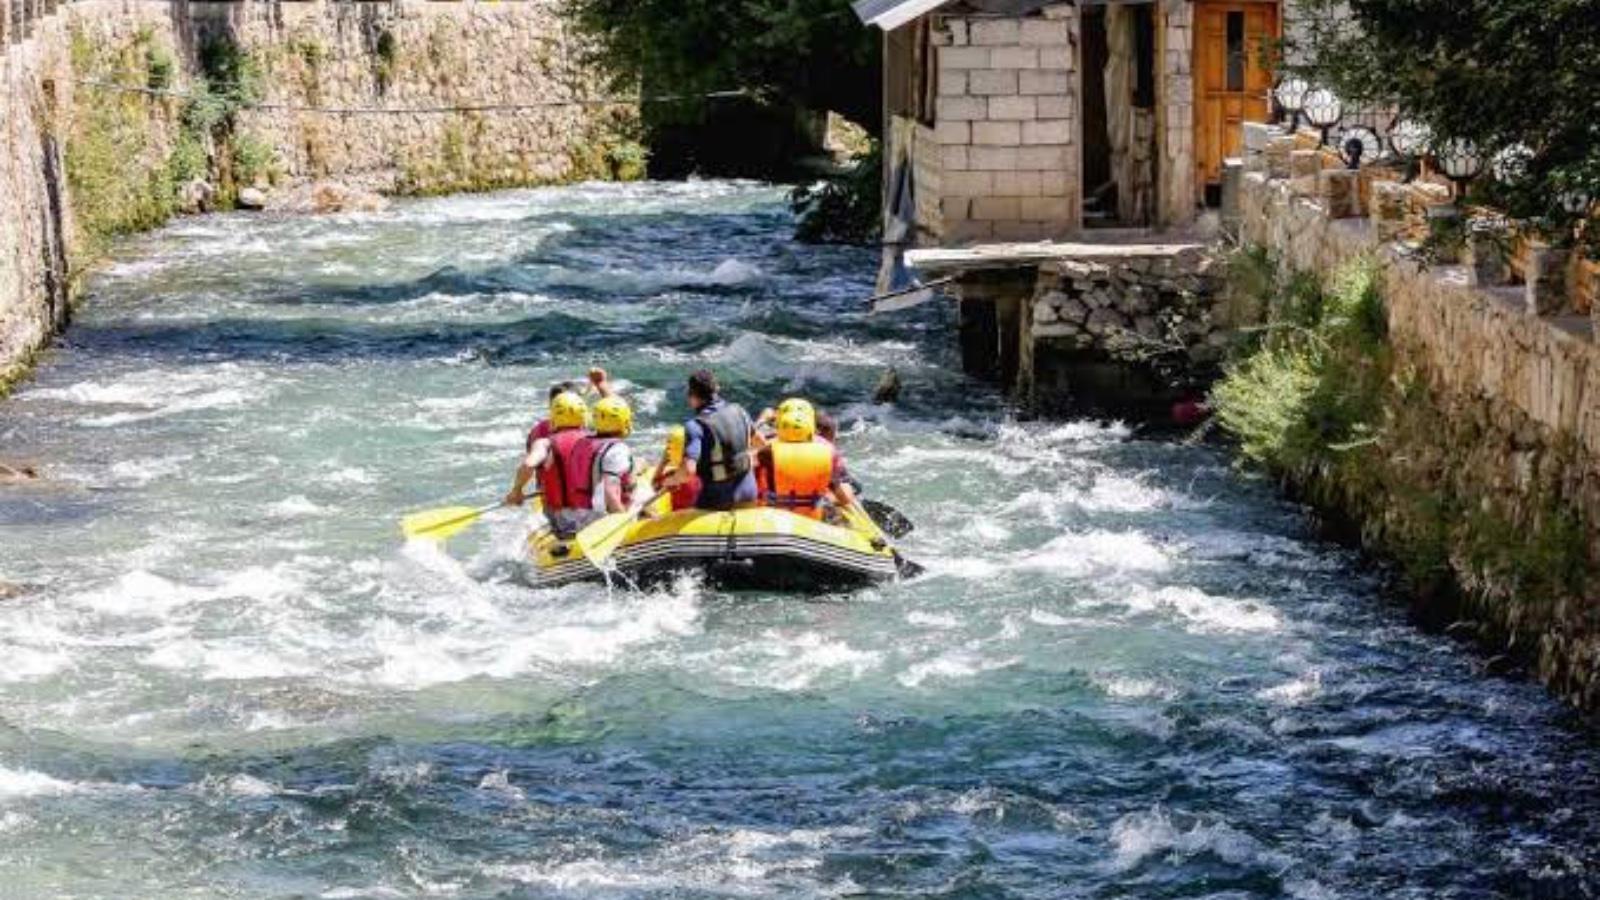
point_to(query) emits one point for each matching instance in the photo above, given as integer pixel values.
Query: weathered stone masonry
(514, 61)
(1504, 432)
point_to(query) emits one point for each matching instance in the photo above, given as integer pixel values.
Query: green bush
(253, 160)
(844, 208)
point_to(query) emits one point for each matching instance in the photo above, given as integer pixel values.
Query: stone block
(1278, 150)
(995, 159)
(1043, 81)
(1046, 209)
(1013, 230)
(1054, 106)
(968, 184)
(958, 109)
(969, 230)
(963, 57)
(1056, 184)
(955, 208)
(1050, 131)
(1014, 58)
(952, 132)
(989, 82)
(1002, 134)
(1046, 159)
(996, 208)
(1016, 108)
(1339, 192)
(996, 32)
(959, 34)
(1390, 202)
(1018, 184)
(955, 158)
(1545, 289)
(1045, 32)
(955, 82)
(1256, 136)
(1305, 163)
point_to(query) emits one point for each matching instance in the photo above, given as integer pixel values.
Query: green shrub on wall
(110, 133)
(1319, 397)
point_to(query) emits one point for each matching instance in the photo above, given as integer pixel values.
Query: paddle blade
(600, 539)
(891, 520)
(439, 524)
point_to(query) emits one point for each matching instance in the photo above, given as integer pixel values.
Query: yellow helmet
(613, 417)
(567, 410)
(797, 421)
(677, 439)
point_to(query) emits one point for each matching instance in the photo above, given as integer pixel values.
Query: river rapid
(1130, 672)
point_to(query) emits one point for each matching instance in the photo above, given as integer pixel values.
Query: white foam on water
(1137, 837)
(1127, 687)
(24, 663)
(139, 472)
(785, 662)
(732, 272)
(296, 506)
(23, 783)
(1077, 554)
(1053, 620)
(1296, 692)
(159, 394)
(933, 620)
(737, 861)
(953, 665)
(1204, 613)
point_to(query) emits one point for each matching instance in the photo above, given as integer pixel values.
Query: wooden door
(1232, 83)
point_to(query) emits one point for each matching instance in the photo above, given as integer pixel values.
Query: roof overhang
(891, 14)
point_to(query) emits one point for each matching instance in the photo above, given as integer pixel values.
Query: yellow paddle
(858, 516)
(601, 538)
(447, 522)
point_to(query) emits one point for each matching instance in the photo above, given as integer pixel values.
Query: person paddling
(672, 456)
(568, 427)
(718, 450)
(801, 471)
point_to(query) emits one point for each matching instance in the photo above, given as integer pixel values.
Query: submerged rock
(18, 473)
(324, 197)
(888, 389)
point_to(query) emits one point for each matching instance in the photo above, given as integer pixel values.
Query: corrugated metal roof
(891, 14)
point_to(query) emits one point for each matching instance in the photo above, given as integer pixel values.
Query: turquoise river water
(1131, 672)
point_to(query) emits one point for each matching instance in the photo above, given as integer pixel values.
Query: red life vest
(555, 478)
(797, 477)
(574, 469)
(539, 432)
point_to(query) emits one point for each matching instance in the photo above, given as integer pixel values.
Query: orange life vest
(797, 477)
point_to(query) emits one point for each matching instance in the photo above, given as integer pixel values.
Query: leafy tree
(1496, 72)
(810, 54)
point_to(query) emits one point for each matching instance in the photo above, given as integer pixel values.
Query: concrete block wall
(1007, 126)
(1176, 170)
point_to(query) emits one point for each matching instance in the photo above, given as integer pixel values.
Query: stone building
(1012, 120)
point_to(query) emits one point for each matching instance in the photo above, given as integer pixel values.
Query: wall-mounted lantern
(1359, 144)
(1459, 161)
(1512, 163)
(1409, 139)
(1323, 110)
(1291, 96)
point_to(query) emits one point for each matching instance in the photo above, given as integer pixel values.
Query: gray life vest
(724, 452)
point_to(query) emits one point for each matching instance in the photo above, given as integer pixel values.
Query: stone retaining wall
(514, 63)
(1497, 432)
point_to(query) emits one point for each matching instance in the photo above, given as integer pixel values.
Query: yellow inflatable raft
(760, 548)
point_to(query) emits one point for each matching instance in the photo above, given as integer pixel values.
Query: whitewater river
(1131, 672)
